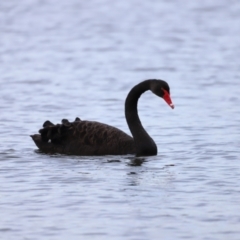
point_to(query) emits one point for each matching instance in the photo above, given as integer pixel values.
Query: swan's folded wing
(83, 138)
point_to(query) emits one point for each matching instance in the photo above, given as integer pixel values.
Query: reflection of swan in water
(140, 173)
(136, 161)
(94, 138)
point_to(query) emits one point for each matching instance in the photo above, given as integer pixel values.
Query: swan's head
(161, 89)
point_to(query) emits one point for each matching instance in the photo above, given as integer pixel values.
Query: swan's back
(83, 138)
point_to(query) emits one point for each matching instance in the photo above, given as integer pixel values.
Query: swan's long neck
(145, 146)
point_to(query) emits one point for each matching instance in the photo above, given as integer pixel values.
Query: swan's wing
(83, 138)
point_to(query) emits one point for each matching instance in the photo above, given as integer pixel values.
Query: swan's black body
(94, 138)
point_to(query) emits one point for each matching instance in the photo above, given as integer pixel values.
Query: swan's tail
(42, 145)
(51, 136)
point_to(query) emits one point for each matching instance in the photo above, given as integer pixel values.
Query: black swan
(94, 138)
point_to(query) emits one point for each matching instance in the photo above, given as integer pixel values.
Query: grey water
(66, 59)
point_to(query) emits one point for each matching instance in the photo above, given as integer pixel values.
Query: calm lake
(68, 59)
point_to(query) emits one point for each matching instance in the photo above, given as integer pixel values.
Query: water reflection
(136, 161)
(113, 160)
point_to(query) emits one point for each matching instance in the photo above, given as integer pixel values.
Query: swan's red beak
(167, 98)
